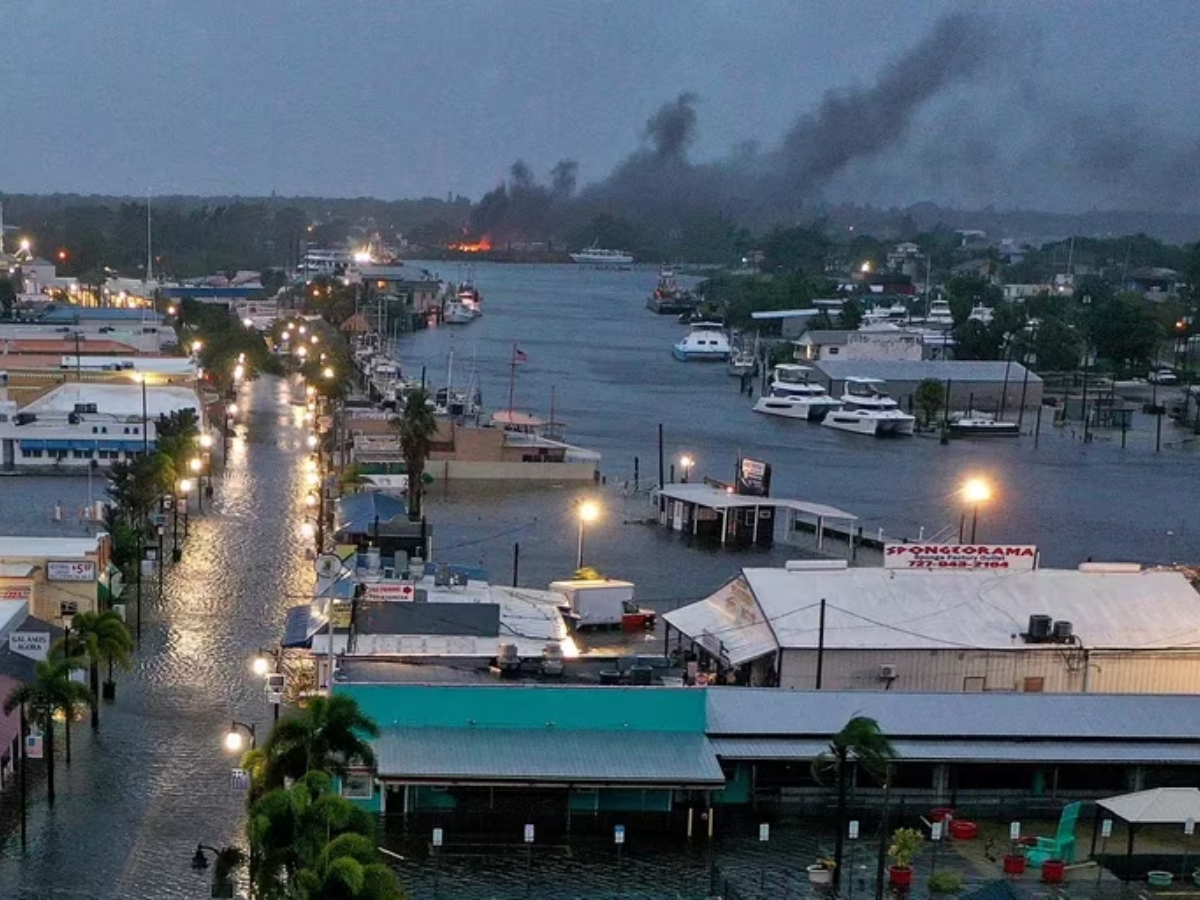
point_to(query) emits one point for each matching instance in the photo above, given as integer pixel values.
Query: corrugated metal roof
(957, 371)
(1060, 751)
(716, 498)
(720, 618)
(597, 757)
(873, 608)
(746, 712)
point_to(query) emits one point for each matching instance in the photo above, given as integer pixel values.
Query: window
(833, 351)
(357, 785)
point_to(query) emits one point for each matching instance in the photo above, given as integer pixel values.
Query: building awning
(546, 756)
(301, 624)
(728, 625)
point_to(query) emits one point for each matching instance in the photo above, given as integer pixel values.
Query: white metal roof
(15, 570)
(122, 400)
(767, 315)
(47, 547)
(956, 371)
(12, 613)
(742, 636)
(873, 608)
(715, 498)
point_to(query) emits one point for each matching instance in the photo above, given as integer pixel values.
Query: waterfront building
(1101, 628)
(987, 386)
(84, 425)
(24, 640)
(56, 576)
(879, 342)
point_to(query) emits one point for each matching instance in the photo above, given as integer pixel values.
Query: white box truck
(596, 604)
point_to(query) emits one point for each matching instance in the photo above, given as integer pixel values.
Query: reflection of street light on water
(974, 491)
(588, 512)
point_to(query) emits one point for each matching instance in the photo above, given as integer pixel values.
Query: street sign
(1189, 826)
(764, 832)
(854, 829)
(1014, 831)
(33, 746)
(529, 834)
(437, 837)
(937, 831)
(619, 834)
(239, 781)
(1106, 828)
(30, 644)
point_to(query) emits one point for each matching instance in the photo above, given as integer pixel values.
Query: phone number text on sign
(1013, 557)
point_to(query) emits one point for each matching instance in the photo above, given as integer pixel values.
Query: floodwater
(154, 782)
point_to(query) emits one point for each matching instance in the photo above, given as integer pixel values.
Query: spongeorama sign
(1005, 557)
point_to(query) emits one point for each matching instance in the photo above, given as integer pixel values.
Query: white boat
(868, 410)
(706, 342)
(598, 256)
(455, 312)
(743, 361)
(973, 424)
(793, 396)
(896, 314)
(939, 314)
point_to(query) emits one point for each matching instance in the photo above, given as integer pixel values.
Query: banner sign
(71, 571)
(754, 478)
(30, 644)
(16, 591)
(1007, 557)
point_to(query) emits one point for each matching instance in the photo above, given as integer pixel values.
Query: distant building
(56, 577)
(985, 386)
(1153, 281)
(876, 343)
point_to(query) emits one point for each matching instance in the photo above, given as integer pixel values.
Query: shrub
(945, 883)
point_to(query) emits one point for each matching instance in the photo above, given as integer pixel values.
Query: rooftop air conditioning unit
(1039, 629)
(887, 672)
(442, 576)
(552, 659)
(1063, 631)
(508, 659)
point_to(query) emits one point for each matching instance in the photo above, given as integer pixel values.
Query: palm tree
(859, 743)
(51, 690)
(348, 868)
(416, 426)
(326, 735)
(104, 638)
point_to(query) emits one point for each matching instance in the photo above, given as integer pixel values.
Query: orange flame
(483, 245)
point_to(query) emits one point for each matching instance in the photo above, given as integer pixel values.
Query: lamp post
(233, 737)
(588, 512)
(185, 487)
(265, 664)
(975, 491)
(685, 466)
(197, 466)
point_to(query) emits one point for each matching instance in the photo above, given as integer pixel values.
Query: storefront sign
(16, 592)
(340, 613)
(389, 591)
(71, 571)
(754, 478)
(30, 644)
(1008, 557)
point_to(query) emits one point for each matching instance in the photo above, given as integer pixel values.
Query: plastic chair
(1062, 845)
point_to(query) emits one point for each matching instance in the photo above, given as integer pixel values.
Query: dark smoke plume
(658, 187)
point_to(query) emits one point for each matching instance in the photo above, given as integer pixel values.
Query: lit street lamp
(975, 491)
(588, 512)
(685, 465)
(233, 737)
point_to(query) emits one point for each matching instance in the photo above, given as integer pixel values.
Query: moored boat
(706, 342)
(866, 409)
(743, 361)
(793, 396)
(981, 425)
(598, 256)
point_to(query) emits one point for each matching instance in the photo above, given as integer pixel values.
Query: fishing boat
(598, 256)
(668, 298)
(743, 361)
(706, 342)
(470, 298)
(973, 424)
(866, 409)
(455, 312)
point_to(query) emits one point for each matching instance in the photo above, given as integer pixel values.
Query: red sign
(1009, 557)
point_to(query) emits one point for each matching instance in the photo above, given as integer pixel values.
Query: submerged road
(155, 781)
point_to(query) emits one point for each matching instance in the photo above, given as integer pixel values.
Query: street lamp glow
(197, 346)
(315, 339)
(327, 372)
(686, 463)
(238, 371)
(206, 441)
(302, 352)
(313, 479)
(976, 490)
(311, 441)
(248, 322)
(170, 310)
(232, 409)
(589, 511)
(307, 530)
(310, 500)
(25, 245)
(195, 465)
(302, 329)
(233, 740)
(185, 485)
(261, 666)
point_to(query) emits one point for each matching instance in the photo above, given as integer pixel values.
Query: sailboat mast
(149, 244)
(512, 381)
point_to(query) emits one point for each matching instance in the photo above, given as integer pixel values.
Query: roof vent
(1039, 629)
(1063, 632)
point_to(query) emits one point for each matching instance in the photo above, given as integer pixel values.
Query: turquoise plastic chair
(1062, 845)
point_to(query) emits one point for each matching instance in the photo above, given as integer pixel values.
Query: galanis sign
(1009, 557)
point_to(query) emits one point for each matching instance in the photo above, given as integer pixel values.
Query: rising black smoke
(659, 187)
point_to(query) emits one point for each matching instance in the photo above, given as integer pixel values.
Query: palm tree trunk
(839, 843)
(94, 677)
(48, 727)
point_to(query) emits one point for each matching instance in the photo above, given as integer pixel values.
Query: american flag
(519, 355)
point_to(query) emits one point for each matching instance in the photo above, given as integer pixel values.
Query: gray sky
(1085, 103)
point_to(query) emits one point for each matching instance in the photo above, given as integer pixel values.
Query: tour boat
(706, 342)
(868, 410)
(597, 256)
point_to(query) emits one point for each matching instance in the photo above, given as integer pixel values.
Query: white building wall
(1061, 668)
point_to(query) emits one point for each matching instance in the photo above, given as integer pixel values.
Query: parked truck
(603, 603)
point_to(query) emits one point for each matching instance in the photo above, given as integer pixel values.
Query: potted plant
(1054, 870)
(821, 872)
(905, 844)
(1014, 863)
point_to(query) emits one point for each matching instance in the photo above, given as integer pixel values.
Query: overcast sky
(399, 98)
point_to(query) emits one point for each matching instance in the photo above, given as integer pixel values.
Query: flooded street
(155, 781)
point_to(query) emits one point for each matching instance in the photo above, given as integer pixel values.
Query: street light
(588, 512)
(685, 465)
(328, 372)
(197, 346)
(311, 441)
(975, 491)
(233, 737)
(307, 530)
